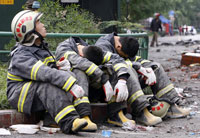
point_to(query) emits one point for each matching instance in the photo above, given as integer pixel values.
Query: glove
(63, 64)
(149, 75)
(77, 91)
(108, 90)
(121, 91)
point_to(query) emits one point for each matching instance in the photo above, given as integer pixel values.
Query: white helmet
(23, 26)
(160, 108)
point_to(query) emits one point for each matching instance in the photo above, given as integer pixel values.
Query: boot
(148, 119)
(177, 112)
(78, 124)
(91, 127)
(119, 119)
(49, 121)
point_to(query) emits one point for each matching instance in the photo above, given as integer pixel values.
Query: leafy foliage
(69, 19)
(186, 11)
(3, 98)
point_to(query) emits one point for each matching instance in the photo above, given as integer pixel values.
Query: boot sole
(148, 124)
(80, 127)
(114, 123)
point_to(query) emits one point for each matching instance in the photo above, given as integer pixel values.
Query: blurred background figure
(155, 25)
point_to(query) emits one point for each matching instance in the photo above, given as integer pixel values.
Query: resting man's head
(92, 53)
(126, 46)
(27, 27)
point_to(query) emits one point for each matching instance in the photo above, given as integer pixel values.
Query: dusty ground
(169, 57)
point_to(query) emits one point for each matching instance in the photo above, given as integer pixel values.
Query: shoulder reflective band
(165, 90)
(81, 100)
(91, 69)
(107, 57)
(69, 83)
(119, 65)
(69, 53)
(134, 96)
(64, 112)
(48, 59)
(128, 62)
(23, 95)
(136, 58)
(35, 69)
(14, 77)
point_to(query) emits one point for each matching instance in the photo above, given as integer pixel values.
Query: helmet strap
(40, 36)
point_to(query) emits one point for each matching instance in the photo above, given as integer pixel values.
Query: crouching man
(78, 52)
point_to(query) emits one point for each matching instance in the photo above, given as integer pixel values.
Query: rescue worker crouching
(77, 51)
(34, 82)
(143, 73)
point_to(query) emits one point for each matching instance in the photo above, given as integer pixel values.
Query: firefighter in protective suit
(77, 52)
(144, 73)
(34, 82)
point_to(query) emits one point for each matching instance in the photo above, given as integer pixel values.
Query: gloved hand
(121, 91)
(77, 91)
(108, 90)
(63, 64)
(149, 75)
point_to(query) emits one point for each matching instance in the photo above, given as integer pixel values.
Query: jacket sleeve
(78, 62)
(110, 57)
(30, 68)
(118, 63)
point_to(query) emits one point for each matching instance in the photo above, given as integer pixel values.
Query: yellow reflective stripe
(119, 65)
(14, 77)
(136, 58)
(128, 62)
(23, 95)
(69, 53)
(48, 59)
(69, 83)
(91, 69)
(165, 90)
(135, 96)
(81, 100)
(144, 61)
(64, 112)
(107, 57)
(35, 69)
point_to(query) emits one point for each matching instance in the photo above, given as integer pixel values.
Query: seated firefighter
(144, 73)
(77, 51)
(34, 82)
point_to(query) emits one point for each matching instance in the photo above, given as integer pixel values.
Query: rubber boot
(91, 127)
(78, 124)
(177, 112)
(148, 119)
(119, 119)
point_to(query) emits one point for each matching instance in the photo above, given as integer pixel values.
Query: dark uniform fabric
(34, 84)
(162, 89)
(69, 50)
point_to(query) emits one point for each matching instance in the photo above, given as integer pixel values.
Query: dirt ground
(170, 57)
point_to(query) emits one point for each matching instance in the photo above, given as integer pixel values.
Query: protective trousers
(62, 106)
(96, 94)
(162, 89)
(57, 102)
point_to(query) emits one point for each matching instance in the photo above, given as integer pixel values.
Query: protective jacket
(34, 83)
(155, 25)
(137, 100)
(69, 50)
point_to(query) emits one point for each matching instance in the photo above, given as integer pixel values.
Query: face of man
(40, 28)
(118, 47)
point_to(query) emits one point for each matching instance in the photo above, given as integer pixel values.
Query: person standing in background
(155, 25)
